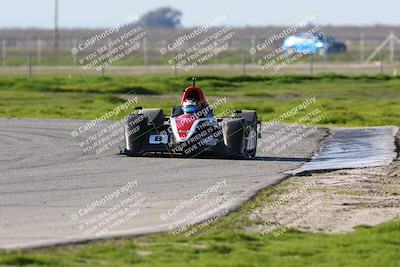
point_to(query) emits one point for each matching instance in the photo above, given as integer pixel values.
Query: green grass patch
(344, 100)
(349, 193)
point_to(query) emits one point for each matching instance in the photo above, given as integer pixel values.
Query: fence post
(244, 62)
(361, 47)
(39, 52)
(391, 48)
(145, 60)
(74, 45)
(253, 45)
(312, 64)
(4, 52)
(175, 68)
(381, 61)
(29, 64)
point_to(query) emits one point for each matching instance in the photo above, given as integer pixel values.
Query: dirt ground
(333, 202)
(230, 69)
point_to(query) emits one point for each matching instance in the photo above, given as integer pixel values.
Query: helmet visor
(191, 109)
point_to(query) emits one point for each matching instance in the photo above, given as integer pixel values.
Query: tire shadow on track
(256, 158)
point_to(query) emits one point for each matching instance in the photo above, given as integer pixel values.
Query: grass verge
(344, 100)
(228, 243)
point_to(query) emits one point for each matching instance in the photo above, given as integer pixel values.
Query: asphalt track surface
(49, 187)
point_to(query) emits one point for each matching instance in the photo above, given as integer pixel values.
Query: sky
(98, 13)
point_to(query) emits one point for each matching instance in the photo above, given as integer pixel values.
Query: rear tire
(250, 117)
(234, 132)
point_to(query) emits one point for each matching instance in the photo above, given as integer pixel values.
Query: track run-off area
(51, 192)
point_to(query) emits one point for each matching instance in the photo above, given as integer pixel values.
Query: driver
(190, 106)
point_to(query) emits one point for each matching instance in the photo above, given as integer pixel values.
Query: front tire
(136, 127)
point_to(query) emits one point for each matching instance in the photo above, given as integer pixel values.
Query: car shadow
(204, 157)
(285, 159)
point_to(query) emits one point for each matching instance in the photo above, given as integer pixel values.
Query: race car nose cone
(183, 133)
(184, 123)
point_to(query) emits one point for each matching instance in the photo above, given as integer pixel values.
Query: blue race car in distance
(308, 43)
(333, 45)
